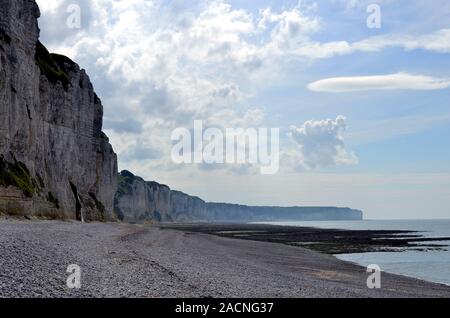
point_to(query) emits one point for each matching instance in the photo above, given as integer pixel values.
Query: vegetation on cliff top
(50, 65)
(125, 180)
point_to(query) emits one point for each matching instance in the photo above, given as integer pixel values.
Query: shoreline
(325, 240)
(153, 261)
(396, 273)
(260, 231)
(335, 256)
(362, 264)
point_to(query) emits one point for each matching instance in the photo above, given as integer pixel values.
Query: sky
(362, 101)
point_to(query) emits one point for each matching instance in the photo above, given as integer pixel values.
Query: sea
(433, 266)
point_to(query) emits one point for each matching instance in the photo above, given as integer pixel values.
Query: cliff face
(140, 201)
(55, 161)
(224, 212)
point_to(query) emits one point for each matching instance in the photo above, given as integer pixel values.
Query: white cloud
(47, 7)
(398, 81)
(438, 41)
(321, 143)
(159, 65)
(163, 66)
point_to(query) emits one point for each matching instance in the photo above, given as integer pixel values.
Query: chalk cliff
(140, 201)
(55, 161)
(224, 212)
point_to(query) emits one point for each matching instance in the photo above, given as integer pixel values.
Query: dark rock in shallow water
(55, 160)
(330, 241)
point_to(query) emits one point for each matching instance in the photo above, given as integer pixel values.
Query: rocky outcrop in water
(55, 161)
(140, 201)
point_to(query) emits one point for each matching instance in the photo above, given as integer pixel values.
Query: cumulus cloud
(56, 13)
(321, 143)
(398, 81)
(172, 62)
(169, 63)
